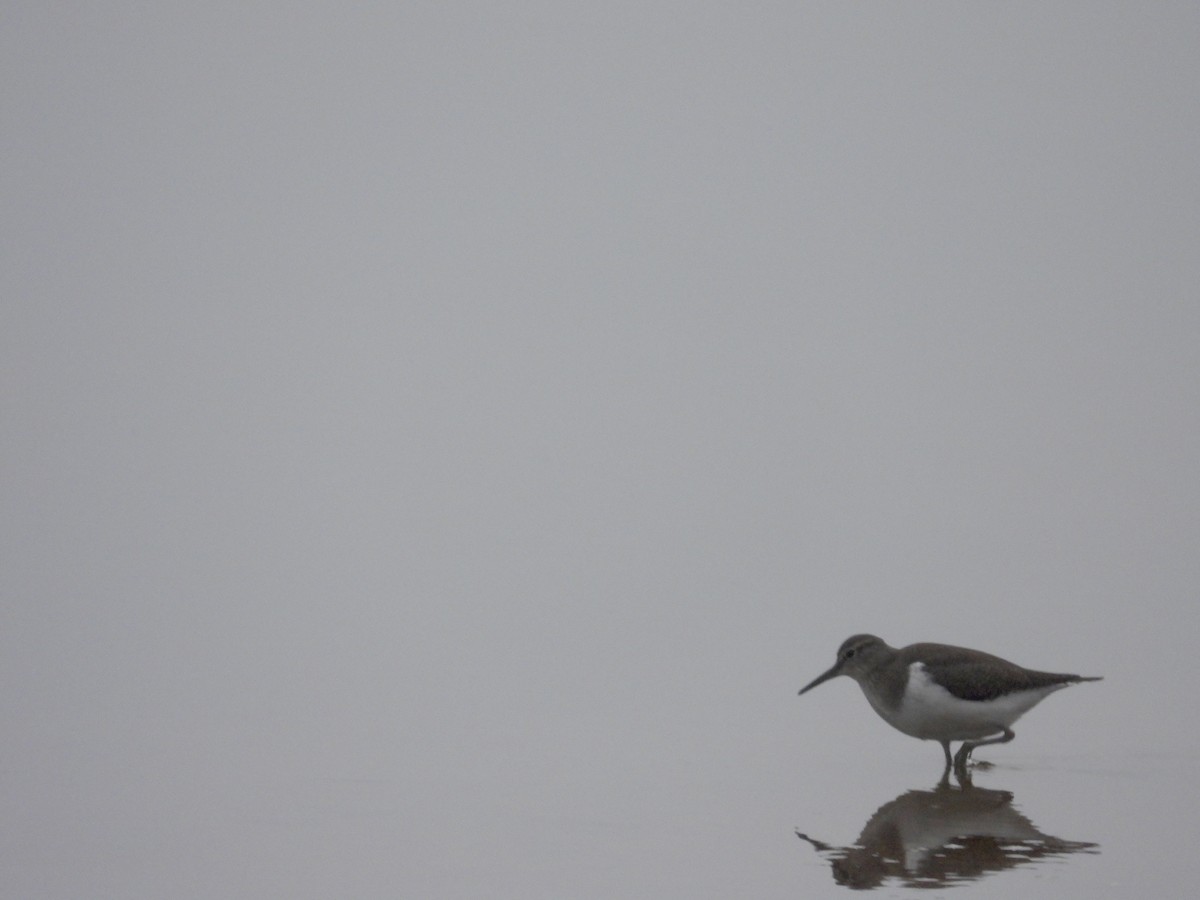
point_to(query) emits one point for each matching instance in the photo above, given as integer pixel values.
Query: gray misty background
(440, 438)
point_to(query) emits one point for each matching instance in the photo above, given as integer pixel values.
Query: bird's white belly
(930, 712)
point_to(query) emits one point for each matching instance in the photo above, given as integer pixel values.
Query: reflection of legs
(964, 752)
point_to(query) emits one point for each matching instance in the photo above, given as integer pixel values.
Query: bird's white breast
(930, 712)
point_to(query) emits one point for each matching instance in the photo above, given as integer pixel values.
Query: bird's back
(975, 675)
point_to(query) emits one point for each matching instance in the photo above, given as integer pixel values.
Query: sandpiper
(940, 693)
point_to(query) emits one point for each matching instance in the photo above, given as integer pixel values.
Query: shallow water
(1057, 824)
(652, 775)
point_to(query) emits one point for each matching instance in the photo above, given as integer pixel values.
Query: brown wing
(975, 675)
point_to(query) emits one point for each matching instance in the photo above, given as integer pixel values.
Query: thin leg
(964, 752)
(945, 782)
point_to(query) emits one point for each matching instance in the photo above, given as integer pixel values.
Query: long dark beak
(821, 679)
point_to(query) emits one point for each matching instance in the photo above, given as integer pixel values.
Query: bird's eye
(850, 652)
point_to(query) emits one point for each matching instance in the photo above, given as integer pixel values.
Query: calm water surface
(1031, 826)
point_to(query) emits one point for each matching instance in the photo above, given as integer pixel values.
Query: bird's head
(857, 656)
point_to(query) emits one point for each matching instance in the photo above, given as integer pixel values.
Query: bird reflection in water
(941, 837)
